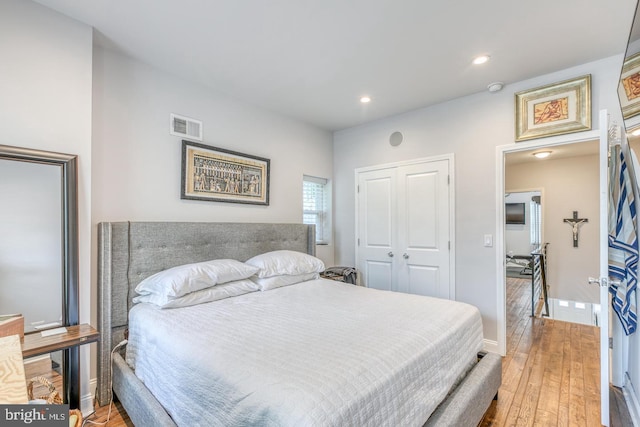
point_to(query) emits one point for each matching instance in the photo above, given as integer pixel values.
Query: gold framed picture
(629, 87)
(219, 175)
(555, 109)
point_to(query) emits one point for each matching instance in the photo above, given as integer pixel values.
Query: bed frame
(131, 251)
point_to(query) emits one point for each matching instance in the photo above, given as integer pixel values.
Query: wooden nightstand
(34, 344)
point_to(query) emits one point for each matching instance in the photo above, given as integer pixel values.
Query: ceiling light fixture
(365, 99)
(495, 86)
(542, 154)
(480, 59)
(636, 132)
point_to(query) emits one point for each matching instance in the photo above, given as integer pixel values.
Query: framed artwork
(555, 109)
(629, 87)
(219, 175)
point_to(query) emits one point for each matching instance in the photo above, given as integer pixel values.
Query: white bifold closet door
(403, 222)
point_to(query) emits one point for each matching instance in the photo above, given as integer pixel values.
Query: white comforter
(318, 353)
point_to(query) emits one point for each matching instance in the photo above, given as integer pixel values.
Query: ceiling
(312, 60)
(563, 151)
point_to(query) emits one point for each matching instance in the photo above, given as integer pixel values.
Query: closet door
(423, 235)
(403, 228)
(377, 218)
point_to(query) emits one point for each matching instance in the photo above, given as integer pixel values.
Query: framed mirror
(625, 363)
(39, 249)
(629, 86)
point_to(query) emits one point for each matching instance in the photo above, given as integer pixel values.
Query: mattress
(317, 353)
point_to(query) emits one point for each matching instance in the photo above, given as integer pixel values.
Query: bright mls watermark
(34, 415)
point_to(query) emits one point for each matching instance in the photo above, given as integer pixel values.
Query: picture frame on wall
(555, 109)
(629, 86)
(219, 175)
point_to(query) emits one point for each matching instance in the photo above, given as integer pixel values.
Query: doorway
(603, 136)
(519, 158)
(568, 234)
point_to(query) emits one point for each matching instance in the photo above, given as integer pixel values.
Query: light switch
(488, 240)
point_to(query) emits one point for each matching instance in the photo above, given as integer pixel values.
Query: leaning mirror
(38, 248)
(629, 86)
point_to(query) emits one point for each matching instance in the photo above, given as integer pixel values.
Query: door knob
(390, 254)
(405, 256)
(603, 282)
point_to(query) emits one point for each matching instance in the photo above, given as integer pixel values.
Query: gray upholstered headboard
(128, 252)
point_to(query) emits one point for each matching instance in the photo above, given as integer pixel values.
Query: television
(514, 213)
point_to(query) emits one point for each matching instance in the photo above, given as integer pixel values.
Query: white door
(377, 219)
(404, 228)
(423, 213)
(604, 268)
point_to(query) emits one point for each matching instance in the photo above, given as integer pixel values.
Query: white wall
(137, 163)
(471, 128)
(570, 184)
(45, 104)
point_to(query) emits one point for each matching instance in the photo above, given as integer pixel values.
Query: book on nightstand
(11, 324)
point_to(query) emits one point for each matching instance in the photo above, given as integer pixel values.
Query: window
(316, 207)
(536, 226)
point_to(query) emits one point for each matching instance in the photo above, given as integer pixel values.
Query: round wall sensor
(495, 86)
(396, 138)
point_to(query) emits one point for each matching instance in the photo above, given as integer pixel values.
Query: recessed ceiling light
(365, 99)
(480, 59)
(636, 132)
(542, 154)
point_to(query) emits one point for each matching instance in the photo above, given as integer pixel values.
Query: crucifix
(575, 222)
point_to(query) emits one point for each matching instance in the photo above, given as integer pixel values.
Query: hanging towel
(623, 244)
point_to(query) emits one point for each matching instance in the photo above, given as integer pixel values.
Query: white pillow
(183, 279)
(278, 263)
(273, 282)
(225, 290)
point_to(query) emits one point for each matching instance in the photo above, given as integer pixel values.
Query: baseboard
(490, 346)
(631, 398)
(86, 402)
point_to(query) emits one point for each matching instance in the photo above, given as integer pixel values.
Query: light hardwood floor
(551, 373)
(118, 418)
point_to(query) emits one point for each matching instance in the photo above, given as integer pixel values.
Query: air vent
(185, 127)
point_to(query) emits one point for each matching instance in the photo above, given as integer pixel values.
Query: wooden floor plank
(620, 416)
(548, 404)
(117, 418)
(551, 373)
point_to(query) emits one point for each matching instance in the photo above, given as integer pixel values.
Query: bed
(313, 361)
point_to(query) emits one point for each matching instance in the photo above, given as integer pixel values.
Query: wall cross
(575, 223)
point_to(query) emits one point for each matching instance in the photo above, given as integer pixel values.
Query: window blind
(315, 206)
